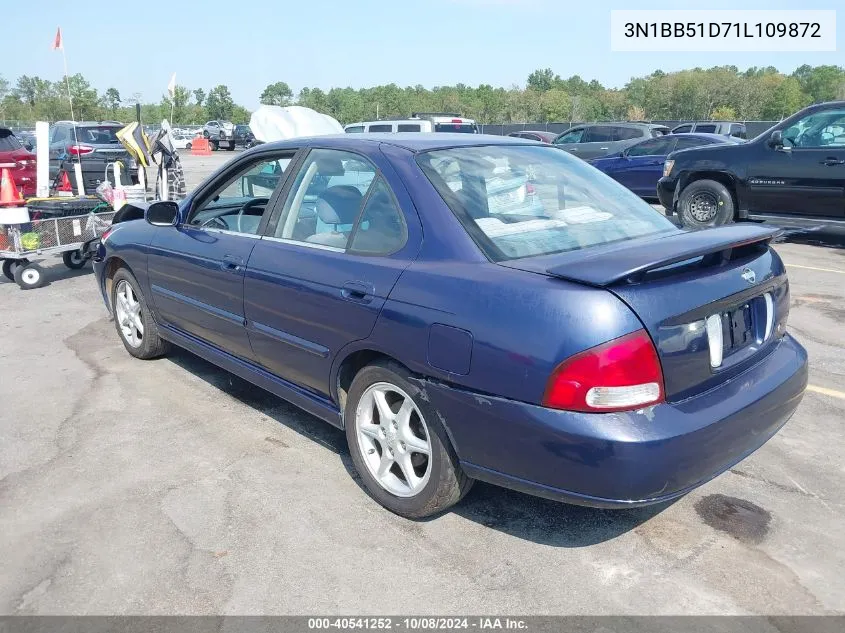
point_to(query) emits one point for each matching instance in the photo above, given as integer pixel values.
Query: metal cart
(74, 237)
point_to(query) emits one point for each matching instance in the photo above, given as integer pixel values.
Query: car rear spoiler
(630, 262)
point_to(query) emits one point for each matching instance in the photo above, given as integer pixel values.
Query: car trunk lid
(675, 282)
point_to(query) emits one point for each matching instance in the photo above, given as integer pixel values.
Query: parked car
(595, 140)
(640, 166)
(536, 135)
(94, 145)
(725, 128)
(419, 122)
(796, 168)
(597, 355)
(182, 141)
(220, 134)
(244, 136)
(27, 139)
(12, 152)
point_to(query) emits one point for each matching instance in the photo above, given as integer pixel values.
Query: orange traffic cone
(65, 188)
(10, 196)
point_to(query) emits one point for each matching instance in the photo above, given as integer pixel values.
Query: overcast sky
(359, 43)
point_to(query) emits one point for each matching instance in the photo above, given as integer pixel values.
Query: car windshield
(524, 201)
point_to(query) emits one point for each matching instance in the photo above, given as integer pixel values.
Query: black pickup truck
(795, 169)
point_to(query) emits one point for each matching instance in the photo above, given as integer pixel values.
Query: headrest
(339, 204)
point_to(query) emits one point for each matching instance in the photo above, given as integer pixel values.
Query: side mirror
(776, 139)
(162, 213)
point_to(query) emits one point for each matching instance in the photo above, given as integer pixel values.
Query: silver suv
(595, 140)
(220, 134)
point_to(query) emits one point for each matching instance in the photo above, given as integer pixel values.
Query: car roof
(412, 141)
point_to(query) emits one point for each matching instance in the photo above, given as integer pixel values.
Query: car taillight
(620, 375)
(106, 234)
(529, 189)
(79, 150)
(24, 164)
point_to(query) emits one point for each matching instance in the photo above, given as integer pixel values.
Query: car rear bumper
(666, 194)
(623, 459)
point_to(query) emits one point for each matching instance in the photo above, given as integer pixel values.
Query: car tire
(205, 134)
(187, 146)
(375, 440)
(705, 203)
(74, 260)
(130, 310)
(214, 146)
(9, 266)
(29, 276)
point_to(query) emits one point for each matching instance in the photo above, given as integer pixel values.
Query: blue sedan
(640, 166)
(584, 349)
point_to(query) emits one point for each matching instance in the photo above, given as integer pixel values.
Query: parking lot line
(824, 270)
(827, 392)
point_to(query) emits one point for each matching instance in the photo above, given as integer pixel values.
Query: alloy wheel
(394, 439)
(128, 314)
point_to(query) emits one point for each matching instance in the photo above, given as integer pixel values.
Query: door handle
(604, 148)
(231, 263)
(359, 291)
(830, 161)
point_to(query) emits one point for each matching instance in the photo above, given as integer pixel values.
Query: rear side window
(682, 129)
(381, 227)
(353, 129)
(653, 147)
(705, 128)
(599, 134)
(687, 142)
(526, 200)
(627, 133)
(408, 127)
(8, 141)
(381, 128)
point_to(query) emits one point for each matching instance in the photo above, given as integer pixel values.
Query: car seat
(337, 206)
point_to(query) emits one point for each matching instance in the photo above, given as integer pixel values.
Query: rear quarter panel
(522, 325)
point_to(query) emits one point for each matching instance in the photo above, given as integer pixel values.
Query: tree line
(721, 92)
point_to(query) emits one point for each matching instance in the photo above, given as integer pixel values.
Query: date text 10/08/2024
(418, 623)
(722, 29)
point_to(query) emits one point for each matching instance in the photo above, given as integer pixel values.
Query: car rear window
(8, 141)
(99, 134)
(524, 201)
(460, 128)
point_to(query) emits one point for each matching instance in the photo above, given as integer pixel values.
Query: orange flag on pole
(58, 42)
